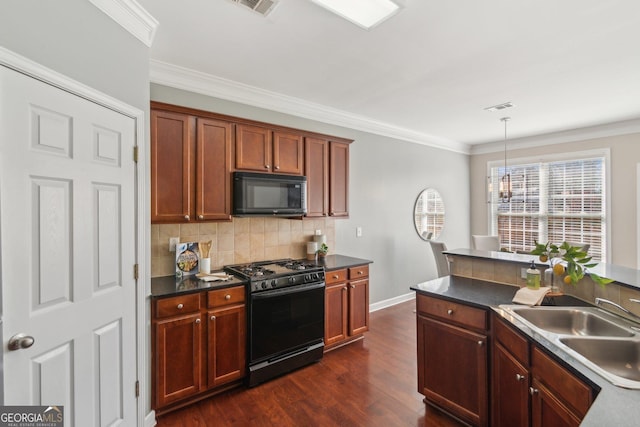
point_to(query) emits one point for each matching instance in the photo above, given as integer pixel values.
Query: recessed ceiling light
(499, 106)
(364, 13)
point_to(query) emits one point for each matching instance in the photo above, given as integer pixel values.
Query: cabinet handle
(227, 297)
(277, 168)
(213, 317)
(335, 276)
(352, 286)
(186, 217)
(449, 312)
(480, 342)
(266, 166)
(344, 289)
(519, 377)
(197, 321)
(360, 272)
(180, 306)
(533, 391)
(200, 216)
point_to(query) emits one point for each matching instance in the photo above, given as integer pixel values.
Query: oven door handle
(288, 290)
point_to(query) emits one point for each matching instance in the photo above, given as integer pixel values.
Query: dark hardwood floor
(371, 382)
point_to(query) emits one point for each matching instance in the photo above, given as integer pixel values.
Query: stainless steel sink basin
(619, 357)
(581, 321)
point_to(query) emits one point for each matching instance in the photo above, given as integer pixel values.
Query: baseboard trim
(391, 301)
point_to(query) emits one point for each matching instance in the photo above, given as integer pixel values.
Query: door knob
(20, 341)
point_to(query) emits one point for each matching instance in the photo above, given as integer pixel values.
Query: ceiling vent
(499, 106)
(263, 7)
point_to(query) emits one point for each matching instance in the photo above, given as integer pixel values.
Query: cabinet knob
(352, 286)
(533, 391)
(335, 276)
(277, 168)
(480, 342)
(200, 216)
(519, 377)
(344, 289)
(360, 272)
(213, 317)
(187, 217)
(197, 321)
(266, 166)
(227, 297)
(449, 312)
(180, 306)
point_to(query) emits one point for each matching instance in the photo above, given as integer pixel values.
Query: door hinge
(137, 388)
(135, 153)
(135, 271)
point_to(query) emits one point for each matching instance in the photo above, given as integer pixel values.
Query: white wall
(625, 155)
(386, 176)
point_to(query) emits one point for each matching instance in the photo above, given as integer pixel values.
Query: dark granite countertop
(171, 285)
(625, 276)
(336, 262)
(614, 406)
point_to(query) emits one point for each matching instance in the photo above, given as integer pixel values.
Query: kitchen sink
(619, 357)
(581, 321)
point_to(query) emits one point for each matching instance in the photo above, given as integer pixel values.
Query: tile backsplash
(239, 241)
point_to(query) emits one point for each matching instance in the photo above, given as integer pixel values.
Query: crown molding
(206, 84)
(581, 134)
(131, 16)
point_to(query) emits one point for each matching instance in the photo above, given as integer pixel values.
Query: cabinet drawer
(226, 296)
(453, 312)
(359, 272)
(517, 344)
(569, 389)
(175, 306)
(335, 276)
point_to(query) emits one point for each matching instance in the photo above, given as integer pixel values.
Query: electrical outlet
(523, 273)
(358, 231)
(173, 241)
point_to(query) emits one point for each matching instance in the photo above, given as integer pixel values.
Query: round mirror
(428, 214)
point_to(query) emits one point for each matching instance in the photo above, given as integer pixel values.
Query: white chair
(442, 263)
(486, 243)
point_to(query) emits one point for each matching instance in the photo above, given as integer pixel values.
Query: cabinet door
(339, 179)
(172, 170)
(253, 148)
(288, 153)
(452, 369)
(510, 390)
(177, 349)
(226, 342)
(547, 410)
(317, 173)
(213, 166)
(358, 307)
(335, 319)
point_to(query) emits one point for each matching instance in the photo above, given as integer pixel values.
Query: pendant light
(505, 182)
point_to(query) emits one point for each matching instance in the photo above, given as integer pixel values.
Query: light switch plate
(173, 241)
(358, 231)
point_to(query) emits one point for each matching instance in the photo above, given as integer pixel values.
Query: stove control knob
(307, 277)
(264, 285)
(291, 280)
(273, 283)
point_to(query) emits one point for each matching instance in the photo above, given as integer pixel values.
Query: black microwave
(265, 194)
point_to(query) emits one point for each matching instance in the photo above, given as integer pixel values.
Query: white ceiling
(426, 73)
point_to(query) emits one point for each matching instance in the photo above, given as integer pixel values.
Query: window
(553, 200)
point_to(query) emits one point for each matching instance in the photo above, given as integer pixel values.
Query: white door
(67, 222)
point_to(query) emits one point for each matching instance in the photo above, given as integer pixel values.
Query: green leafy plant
(568, 261)
(323, 249)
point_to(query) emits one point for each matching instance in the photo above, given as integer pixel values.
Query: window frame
(549, 158)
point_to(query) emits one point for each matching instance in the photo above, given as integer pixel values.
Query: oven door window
(283, 322)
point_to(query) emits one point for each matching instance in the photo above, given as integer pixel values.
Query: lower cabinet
(453, 358)
(346, 305)
(198, 345)
(530, 388)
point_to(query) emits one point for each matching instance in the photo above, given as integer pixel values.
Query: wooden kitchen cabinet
(316, 166)
(261, 149)
(177, 328)
(346, 305)
(338, 179)
(226, 336)
(198, 346)
(190, 167)
(530, 388)
(453, 358)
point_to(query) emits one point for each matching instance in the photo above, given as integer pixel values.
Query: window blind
(551, 201)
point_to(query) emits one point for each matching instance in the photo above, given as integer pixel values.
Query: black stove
(266, 275)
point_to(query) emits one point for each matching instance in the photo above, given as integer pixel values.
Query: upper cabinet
(263, 150)
(190, 168)
(194, 152)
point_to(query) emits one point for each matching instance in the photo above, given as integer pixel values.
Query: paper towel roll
(312, 248)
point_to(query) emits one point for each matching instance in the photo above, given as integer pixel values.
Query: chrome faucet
(600, 301)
